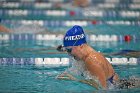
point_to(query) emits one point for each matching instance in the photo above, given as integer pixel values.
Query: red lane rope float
(72, 13)
(127, 38)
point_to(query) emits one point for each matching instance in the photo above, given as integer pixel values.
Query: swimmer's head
(74, 37)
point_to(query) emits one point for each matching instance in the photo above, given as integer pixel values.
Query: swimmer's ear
(81, 46)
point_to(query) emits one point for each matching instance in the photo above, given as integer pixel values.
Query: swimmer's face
(75, 51)
(70, 51)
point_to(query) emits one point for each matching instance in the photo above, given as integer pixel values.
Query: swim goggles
(69, 50)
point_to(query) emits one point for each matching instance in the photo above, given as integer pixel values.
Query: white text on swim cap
(76, 37)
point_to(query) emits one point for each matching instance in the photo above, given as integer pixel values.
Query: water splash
(30, 28)
(78, 70)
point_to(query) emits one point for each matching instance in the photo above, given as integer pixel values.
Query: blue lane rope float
(67, 23)
(60, 37)
(62, 61)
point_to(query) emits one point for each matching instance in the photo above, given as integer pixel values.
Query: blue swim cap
(74, 37)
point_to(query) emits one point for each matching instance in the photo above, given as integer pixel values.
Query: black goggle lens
(69, 50)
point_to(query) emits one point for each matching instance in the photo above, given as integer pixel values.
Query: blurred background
(31, 30)
(110, 25)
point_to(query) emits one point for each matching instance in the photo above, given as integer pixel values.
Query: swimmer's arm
(66, 76)
(95, 69)
(91, 83)
(4, 29)
(98, 72)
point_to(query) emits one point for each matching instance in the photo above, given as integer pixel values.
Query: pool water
(42, 79)
(37, 79)
(39, 48)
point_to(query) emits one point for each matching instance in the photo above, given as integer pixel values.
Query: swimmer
(126, 53)
(94, 63)
(81, 3)
(91, 65)
(3, 28)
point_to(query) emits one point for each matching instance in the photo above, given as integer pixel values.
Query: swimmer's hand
(66, 76)
(91, 83)
(60, 48)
